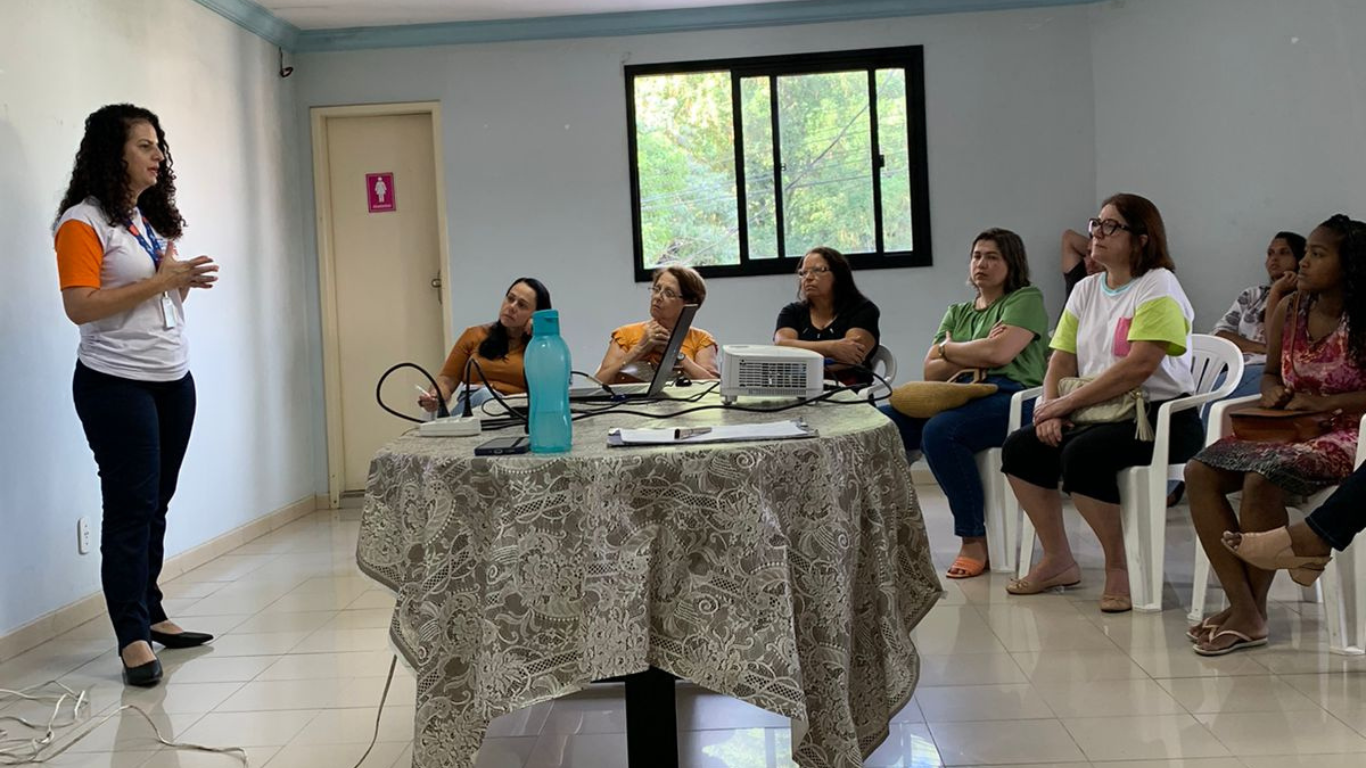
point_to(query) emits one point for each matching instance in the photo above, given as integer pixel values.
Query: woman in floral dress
(1319, 336)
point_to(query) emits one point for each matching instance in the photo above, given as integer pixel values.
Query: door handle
(436, 283)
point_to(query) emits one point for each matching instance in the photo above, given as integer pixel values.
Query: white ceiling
(333, 14)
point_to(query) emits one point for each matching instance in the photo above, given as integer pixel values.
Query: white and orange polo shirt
(94, 252)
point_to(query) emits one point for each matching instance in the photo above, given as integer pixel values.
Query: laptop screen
(665, 370)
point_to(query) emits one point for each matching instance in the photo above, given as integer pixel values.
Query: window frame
(909, 58)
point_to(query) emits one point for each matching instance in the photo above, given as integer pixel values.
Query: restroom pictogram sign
(379, 190)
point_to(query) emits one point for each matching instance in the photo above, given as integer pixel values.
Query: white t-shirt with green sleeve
(1099, 326)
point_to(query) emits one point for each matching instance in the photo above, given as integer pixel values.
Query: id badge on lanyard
(153, 248)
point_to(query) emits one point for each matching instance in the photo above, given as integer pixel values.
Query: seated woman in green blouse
(1001, 333)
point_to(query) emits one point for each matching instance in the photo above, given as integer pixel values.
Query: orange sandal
(966, 568)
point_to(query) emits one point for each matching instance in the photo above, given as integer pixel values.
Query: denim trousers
(1343, 515)
(138, 431)
(950, 442)
(1250, 384)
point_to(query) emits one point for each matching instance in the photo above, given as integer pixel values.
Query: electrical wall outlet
(83, 535)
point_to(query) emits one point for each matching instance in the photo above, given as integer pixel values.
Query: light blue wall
(537, 177)
(1238, 118)
(230, 123)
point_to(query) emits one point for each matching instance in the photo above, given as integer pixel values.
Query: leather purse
(1131, 405)
(1277, 425)
(926, 399)
(1274, 425)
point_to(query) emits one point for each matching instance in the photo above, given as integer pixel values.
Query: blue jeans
(1250, 384)
(477, 398)
(950, 442)
(1341, 517)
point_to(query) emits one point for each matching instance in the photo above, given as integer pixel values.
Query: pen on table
(683, 433)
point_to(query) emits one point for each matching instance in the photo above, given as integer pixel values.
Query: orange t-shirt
(627, 336)
(505, 374)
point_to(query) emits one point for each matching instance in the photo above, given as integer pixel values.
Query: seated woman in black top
(832, 317)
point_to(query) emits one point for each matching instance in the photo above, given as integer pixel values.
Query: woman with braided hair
(1319, 336)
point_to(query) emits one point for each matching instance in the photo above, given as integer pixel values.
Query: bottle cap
(545, 322)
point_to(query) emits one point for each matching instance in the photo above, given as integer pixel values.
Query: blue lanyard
(153, 248)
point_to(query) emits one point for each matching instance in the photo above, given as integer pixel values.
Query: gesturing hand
(194, 273)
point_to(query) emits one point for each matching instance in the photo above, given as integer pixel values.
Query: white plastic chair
(1001, 508)
(1343, 581)
(884, 365)
(1143, 489)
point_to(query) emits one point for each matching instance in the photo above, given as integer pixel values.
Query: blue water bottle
(547, 380)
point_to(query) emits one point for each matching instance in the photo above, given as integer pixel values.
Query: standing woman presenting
(123, 285)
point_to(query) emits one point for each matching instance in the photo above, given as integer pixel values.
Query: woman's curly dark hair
(101, 172)
(1351, 237)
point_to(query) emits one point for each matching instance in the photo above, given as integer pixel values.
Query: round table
(788, 574)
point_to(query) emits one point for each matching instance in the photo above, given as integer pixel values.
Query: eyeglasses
(667, 293)
(1105, 227)
(814, 271)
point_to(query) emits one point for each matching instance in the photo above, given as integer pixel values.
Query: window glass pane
(685, 153)
(895, 177)
(824, 131)
(760, 201)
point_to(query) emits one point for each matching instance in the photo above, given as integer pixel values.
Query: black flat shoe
(143, 675)
(181, 639)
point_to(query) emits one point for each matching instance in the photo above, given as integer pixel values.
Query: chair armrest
(1017, 402)
(1219, 424)
(1361, 443)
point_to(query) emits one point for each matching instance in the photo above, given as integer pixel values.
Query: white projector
(763, 370)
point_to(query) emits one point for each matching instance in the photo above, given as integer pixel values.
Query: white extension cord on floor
(37, 751)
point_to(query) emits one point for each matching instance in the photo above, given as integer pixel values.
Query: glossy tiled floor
(1048, 680)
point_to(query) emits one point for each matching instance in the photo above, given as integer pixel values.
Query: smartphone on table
(502, 446)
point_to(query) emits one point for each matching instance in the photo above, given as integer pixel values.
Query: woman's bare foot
(1202, 630)
(971, 560)
(168, 626)
(1117, 582)
(137, 653)
(1306, 543)
(1237, 625)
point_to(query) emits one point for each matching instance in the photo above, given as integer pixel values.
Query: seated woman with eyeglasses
(1126, 327)
(831, 317)
(634, 352)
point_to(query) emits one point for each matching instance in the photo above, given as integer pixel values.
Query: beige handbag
(926, 399)
(1130, 405)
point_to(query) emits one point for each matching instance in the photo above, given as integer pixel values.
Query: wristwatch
(940, 349)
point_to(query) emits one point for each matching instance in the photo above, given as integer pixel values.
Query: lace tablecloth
(788, 574)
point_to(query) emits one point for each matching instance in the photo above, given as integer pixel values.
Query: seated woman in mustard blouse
(634, 351)
(496, 348)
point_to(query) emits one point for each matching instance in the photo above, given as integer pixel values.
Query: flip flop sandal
(1196, 635)
(966, 568)
(1243, 643)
